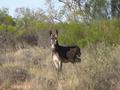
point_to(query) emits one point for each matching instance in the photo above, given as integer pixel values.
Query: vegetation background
(25, 56)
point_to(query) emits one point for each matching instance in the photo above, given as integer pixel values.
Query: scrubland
(32, 69)
(26, 59)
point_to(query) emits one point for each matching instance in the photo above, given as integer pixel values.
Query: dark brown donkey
(63, 54)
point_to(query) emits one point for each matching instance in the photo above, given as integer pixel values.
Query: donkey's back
(69, 53)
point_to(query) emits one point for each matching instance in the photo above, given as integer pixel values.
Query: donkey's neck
(56, 46)
(56, 49)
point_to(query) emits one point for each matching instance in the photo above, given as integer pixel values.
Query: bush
(79, 34)
(13, 75)
(95, 32)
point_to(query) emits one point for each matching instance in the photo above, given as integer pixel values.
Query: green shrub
(79, 34)
(97, 31)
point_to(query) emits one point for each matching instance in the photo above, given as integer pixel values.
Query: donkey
(63, 54)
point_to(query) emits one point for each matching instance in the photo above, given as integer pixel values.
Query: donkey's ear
(50, 32)
(57, 32)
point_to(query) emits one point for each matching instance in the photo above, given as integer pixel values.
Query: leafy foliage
(98, 31)
(32, 27)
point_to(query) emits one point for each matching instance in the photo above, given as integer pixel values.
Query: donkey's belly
(68, 60)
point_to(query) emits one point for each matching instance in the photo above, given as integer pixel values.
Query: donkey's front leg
(56, 64)
(60, 65)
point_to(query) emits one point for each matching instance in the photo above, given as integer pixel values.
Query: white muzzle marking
(52, 46)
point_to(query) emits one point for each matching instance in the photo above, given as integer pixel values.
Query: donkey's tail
(78, 54)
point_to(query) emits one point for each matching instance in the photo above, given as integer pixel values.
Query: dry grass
(32, 69)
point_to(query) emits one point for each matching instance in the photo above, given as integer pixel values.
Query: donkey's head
(53, 37)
